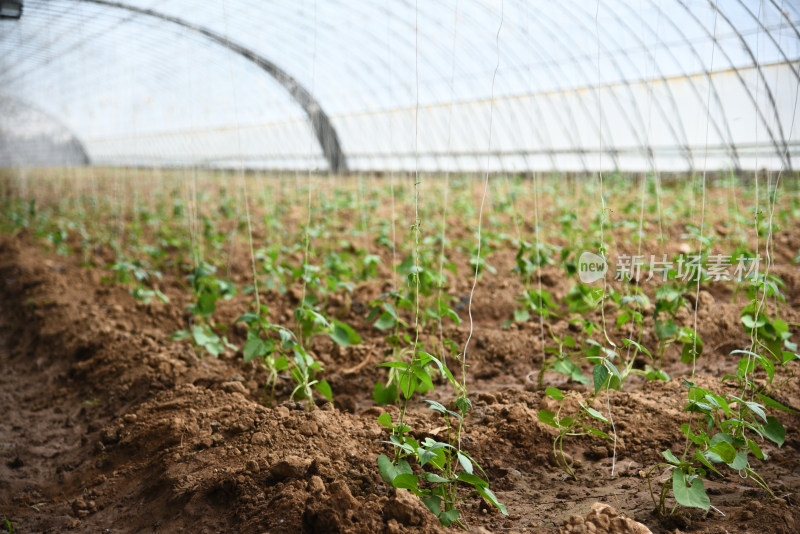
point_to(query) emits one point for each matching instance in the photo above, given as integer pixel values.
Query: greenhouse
(400, 266)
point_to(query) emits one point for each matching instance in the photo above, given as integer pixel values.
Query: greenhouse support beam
(323, 128)
(75, 142)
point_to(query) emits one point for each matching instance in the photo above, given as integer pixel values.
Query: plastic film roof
(568, 85)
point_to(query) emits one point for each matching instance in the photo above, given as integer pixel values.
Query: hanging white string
(602, 234)
(703, 198)
(241, 176)
(447, 176)
(306, 232)
(773, 198)
(485, 186)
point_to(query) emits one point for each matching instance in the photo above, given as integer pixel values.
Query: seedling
(577, 424)
(208, 289)
(126, 272)
(439, 489)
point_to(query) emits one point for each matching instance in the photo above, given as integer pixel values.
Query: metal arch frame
(323, 128)
(160, 65)
(564, 114)
(738, 74)
(471, 119)
(768, 33)
(580, 95)
(188, 145)
(75, 140)
(691, 79)
(785, 16)
(625, 83)
(668, 86)
(785, 156)
(501, 119)
(755, 17)
(509, 117)
(399, 36)
(611, 147)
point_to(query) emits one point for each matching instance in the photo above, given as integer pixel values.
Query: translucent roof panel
(570, 85)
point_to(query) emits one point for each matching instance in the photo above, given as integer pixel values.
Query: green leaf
(385, 419)
(487, 494)
(398, 365)
(774, 431)
(385, 321)
(722, 452)
(434, 504)
(703, 460)
(344, 335)
(473, 480)
(281, 364)
(653, 374)
(424, 377)
(384, 395)
(627, 342)
(554, 393)
(465, 462)
(596, 432)
(463, 404)
(568, 368)
(402, 466)
(594, 413)
(665, 329)
(547, 417)
(408, 384)
(787, 356)
(438, 406)
(772, 403)
(247, 317)
(180, 335)
(670, 457)
(768, 366)
(387, 469)
(740, 462)
(324, 389)
(692, 346)
(254, 347)
(693, 496)
(433, 478)
(407, 481)
(756, 450)
(599, 376)
(449, 517)
(757, 409)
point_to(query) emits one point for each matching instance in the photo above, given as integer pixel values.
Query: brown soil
(108, 426)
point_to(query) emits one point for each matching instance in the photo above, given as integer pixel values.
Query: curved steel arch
(74, 142)
(738, 74)
(323, 128)
(693, 84)
(624, 84)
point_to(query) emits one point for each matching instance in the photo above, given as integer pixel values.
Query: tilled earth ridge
(109, 425)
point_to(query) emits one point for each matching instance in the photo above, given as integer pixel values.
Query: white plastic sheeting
(581, 85)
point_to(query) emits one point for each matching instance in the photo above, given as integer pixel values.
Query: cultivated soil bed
(109, 426)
